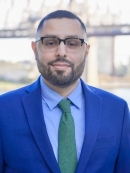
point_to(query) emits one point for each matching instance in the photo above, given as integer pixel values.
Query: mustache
(60, 60)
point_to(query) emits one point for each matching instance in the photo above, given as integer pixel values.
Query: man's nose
(61, 50)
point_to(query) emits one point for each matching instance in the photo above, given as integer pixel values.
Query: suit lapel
(93, 105)
(32, 103)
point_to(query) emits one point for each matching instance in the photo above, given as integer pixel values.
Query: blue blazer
(25, 145)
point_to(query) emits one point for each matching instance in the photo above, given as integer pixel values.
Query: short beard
(60, 80)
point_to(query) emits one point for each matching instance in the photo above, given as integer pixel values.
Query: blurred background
(108, 28)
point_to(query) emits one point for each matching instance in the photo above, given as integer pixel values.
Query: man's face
(61, 68)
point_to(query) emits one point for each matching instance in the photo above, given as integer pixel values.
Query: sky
(16, 49)
(122, 50)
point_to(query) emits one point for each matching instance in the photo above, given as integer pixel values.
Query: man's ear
(33, 45)
(87, 50)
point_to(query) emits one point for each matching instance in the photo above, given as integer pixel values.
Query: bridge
(93, 31)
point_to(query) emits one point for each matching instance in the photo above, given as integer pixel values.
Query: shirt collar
(52, 98)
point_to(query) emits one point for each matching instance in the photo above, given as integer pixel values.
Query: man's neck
(65, 91)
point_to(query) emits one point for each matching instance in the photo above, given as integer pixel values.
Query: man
(38, 136)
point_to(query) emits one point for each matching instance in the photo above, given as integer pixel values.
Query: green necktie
(67, 155)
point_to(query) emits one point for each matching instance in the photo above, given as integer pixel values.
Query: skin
(61, 28)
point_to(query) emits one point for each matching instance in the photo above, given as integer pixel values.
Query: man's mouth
(61, 65)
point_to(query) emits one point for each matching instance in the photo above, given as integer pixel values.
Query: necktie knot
(65, 106)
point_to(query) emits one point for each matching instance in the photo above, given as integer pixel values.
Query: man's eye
(72, 44)
(50, 43)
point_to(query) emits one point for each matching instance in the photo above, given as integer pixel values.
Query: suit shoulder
(104, 94)
(14, 93)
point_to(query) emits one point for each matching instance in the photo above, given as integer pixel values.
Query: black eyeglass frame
(60, 40)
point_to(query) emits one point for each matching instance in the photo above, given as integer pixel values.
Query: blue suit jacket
(24, 142)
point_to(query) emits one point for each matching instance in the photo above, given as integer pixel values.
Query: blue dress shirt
(52, 114)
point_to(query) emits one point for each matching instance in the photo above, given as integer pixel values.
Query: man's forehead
(65, 25)
(54, 21)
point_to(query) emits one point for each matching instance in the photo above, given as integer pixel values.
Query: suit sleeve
(123, 160)
(1, 159)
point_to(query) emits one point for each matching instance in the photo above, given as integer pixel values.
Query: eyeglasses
(52, 43)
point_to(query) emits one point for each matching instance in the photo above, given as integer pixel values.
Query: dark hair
(59, 14)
